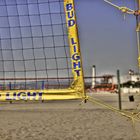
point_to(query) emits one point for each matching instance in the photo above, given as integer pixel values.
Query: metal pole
(93, 76)
(119, 90)
(138, 3)
(138, 34)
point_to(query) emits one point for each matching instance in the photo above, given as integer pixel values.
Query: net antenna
(136, 13)
(40, 56)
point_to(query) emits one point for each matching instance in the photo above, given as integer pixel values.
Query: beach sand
(64, 120)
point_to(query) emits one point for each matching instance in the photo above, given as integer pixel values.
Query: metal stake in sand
(119, 90)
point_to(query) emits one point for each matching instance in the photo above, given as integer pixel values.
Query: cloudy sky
(107, 40)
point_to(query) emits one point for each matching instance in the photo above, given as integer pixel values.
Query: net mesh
(34, 51)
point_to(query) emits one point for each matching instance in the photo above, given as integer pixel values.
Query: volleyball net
(39, 50)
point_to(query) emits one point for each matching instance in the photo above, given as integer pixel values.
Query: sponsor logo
(24, 96)
(76, 63)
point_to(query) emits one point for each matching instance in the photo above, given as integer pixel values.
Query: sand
(64, 120)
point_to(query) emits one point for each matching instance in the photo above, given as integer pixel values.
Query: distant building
(133, 77)
(130, 82)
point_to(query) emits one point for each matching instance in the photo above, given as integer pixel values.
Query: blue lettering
(75, 48)
(77, 72)
(71, 22)
(14, 96)
(70, 14)
(69, 7)
(75, 64)
(8, 96)
(40, 94)
(75, 56)
(73, 41)
(31, 94)
(21, 95)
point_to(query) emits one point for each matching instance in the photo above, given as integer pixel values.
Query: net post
(119, 90)
(76, 60)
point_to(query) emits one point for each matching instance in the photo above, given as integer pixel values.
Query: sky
(107, 40)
